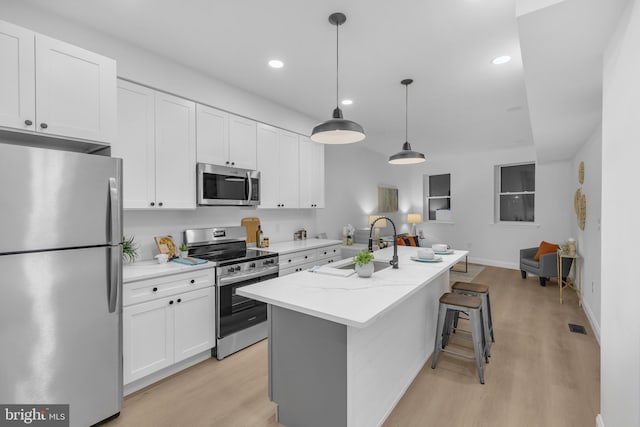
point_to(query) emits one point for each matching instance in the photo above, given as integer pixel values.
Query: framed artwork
(387, 199)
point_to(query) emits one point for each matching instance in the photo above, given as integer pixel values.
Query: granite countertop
(352, 300)
(141, 270)
(282, 248)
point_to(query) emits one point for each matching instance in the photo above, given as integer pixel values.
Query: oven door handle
(235, 279)
(250, 182)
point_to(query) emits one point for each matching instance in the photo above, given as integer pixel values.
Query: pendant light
(337, 130)
(407, 156)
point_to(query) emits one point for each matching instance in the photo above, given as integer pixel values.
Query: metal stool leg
(478, 341)
(442, 312)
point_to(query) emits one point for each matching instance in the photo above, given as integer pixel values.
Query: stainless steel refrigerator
(61, 281)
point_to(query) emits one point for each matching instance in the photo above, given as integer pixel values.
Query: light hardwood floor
(540, 374)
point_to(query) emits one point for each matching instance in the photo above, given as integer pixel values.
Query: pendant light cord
(337, 64)
(406, 114)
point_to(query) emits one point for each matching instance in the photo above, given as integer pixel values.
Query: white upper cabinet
(212, 135)
(54, 88)
(136, 144)
(225, 139)
(278, 165)
(311, 174)
(157, 143)
(242, 142)
(17, 77)
(175, 152)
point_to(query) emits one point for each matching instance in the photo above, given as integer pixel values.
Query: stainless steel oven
(240, 321)
(227, 186)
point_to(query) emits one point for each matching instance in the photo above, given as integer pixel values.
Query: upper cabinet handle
(44, 125)
(28, 122)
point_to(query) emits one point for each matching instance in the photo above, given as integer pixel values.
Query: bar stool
(481, 291)
(450, 306)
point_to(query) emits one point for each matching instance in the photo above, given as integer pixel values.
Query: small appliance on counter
(300, 234)
(240, 321)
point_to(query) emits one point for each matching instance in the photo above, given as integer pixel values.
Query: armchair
(545, 268)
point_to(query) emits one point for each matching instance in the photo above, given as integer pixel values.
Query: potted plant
(129, 249)
(364, 266)
(184, 251)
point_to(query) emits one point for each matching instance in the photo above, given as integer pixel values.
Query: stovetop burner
(222, 246)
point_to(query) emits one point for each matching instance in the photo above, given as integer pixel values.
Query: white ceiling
(458, 101)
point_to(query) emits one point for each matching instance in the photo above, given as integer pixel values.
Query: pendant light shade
(337, 130)
(407, 156)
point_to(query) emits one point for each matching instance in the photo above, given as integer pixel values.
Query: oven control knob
(230, 270)
(238, 268)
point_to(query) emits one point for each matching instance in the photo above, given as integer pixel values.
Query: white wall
(472, 203)
(620, 341)
(353, 174)
(589, 242)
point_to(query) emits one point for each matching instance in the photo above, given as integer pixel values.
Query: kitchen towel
(190, 261)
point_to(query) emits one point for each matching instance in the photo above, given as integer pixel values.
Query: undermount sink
(377, 265)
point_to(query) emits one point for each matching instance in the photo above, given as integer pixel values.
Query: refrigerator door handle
(115, 228)
(114, 280)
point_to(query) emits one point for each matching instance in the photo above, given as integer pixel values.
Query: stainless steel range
(240, 321)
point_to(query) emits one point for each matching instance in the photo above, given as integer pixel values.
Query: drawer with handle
(151, 289)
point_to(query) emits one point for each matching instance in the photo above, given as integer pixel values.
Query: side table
(576, 282)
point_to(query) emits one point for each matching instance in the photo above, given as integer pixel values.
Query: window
(516, 192)
(437, 193)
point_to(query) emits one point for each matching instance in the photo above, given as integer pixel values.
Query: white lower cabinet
(293, 262)
(159, 332)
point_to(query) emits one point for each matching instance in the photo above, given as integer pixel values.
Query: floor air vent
(578, 329)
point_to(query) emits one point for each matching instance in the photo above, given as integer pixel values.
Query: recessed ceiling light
(276, 63)
(347, 102)
(501, 60)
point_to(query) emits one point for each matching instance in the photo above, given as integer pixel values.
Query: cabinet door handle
(171, 302)
(193, 281)
(155, 289)
(305, 257)
(179, 299)
(152, 203)
(28, 122)
(44, 125)
(160, 204)
(233, 163)
(226, 163)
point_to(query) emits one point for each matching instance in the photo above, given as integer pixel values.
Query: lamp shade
(414, 218)
(337, 131)
(407, 156)
(380, 224)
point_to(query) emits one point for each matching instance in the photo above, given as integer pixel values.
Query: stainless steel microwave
(227, 186)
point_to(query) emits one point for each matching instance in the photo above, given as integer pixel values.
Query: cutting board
(251, 224)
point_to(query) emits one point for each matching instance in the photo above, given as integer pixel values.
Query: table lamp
(413, 219)
(380, 224)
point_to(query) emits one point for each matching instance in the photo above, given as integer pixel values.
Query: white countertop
(299, 245)
(141, 270)
(351, 301)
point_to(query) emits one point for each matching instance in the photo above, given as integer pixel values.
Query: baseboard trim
(599, 421)
(494, 263)
(595, 326)
(136, 385)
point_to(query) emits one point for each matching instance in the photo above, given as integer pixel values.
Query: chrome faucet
(394, 260)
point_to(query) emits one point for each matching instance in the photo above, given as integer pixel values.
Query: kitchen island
(343, 350)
